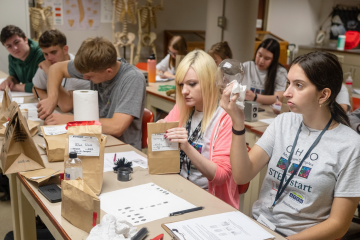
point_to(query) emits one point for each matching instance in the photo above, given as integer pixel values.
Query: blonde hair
(179, 44)
(95, 55)
(205, 69)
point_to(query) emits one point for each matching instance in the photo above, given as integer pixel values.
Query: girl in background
(220, 51)
(166, 67)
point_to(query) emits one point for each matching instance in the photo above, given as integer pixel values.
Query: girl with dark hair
(166, 68)
(220, 51)
(310, 190)
(265, 78)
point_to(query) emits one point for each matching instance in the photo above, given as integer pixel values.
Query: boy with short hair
(54, 48)
(121, 89)
(24, 58)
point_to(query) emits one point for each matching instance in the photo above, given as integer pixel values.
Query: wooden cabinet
(349, 59)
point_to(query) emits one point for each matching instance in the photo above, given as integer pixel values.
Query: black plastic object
(123, 174)
(73, 155)
(152, 57)
(141, 234)
(52, 193)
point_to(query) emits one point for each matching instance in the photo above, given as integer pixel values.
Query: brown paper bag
(33, 128)
(19, 153)
(6, 101)
(93, 166)
(162, 162)
(48, 176)
(55, 146)
(79, 205)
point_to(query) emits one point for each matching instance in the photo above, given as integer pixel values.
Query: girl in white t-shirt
(311, 188)
(166, 67)
(265, 78)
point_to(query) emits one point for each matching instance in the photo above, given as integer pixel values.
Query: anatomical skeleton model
(147, 19)
(124, 12)
(39, 17)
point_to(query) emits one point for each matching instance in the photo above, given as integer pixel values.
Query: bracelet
(255, 97)
(238, 132)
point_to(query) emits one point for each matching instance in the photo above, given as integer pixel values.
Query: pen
(186, 211)
(277, 98)
(37, 94)
(115, 157)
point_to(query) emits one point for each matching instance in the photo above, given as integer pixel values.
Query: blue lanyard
(281, 189)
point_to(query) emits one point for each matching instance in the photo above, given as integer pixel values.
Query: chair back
(142, 66)
(148, 116)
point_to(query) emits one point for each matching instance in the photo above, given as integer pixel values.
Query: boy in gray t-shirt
(121, 89)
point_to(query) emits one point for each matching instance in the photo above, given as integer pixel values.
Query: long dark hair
(324, 71)
(272, 46)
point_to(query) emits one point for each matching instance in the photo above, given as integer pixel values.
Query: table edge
(42, 206)
(161, 96)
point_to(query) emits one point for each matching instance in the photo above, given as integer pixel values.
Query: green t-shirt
(24, 71)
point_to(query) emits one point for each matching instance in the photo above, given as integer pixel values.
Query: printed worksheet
(142, 204)
(131, 156)
(224, 226)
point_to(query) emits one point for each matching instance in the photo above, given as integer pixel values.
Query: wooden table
(31, 202)
(159, 100)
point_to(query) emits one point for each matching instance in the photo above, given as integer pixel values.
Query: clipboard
(172, 235)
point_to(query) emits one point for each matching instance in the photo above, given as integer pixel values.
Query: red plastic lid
(82, 123)
(352, 39)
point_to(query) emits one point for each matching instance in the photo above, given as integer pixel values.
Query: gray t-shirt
(70, 84)
(202, 145)
(254, 79)
(331, 170)
(125, 93)
(343, 97)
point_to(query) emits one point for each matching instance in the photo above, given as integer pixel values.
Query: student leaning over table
(121, 89)
(206, 161)
(53, 45)
(264, 77)
(320, 200)
(24, 57)
(220, 51)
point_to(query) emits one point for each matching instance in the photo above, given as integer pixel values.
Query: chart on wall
(82, 14)
(57, 9)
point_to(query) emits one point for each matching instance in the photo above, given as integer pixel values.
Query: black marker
(37, 94)
(186, 211)
(141, 234)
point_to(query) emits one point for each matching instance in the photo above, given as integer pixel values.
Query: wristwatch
(238, 132)
(255, 97)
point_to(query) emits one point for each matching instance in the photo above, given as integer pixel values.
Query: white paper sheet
(106, 11)
(84, 145)
(159, 143)
(268, 120)
(159, 79)
(277, 107)
(229, 226)
(142, 204)
(2, 79)
(31, 107)
(55, 130)
(17, 94)
(132, 156)
(18, 99)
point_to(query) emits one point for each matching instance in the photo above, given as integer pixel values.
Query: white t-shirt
(331, 170)
(202, 145)
(343, 96)
(40, 81)
(254, 79)
(163, 65)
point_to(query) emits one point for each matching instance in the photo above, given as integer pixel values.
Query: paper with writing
(131, 156)
(55, 130)
(84, 145)
(159, 143)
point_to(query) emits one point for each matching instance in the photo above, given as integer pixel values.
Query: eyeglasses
(171, 53)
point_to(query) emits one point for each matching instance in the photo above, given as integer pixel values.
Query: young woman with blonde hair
(204, 131)
(166, 67)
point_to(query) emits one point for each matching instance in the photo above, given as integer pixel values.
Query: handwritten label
(84, 145)
(56, 130)
(5, 124)
(159, 143)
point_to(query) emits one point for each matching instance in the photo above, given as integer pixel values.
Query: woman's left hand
(179, 135)
(249, 95)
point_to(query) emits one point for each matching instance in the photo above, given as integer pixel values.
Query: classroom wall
(298, 21)
(177, 15)
(12, 12)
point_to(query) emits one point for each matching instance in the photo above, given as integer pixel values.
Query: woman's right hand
(229, 105)
(277, 103)
(161, 121)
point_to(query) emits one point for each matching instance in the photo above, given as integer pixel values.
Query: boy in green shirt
(24, 58)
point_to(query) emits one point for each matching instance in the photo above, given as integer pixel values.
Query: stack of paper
(159, 79)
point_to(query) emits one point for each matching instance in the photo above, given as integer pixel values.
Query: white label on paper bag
(10, 96)
(159, 143)
(5, 124)
(56, 130)
(84, 145)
